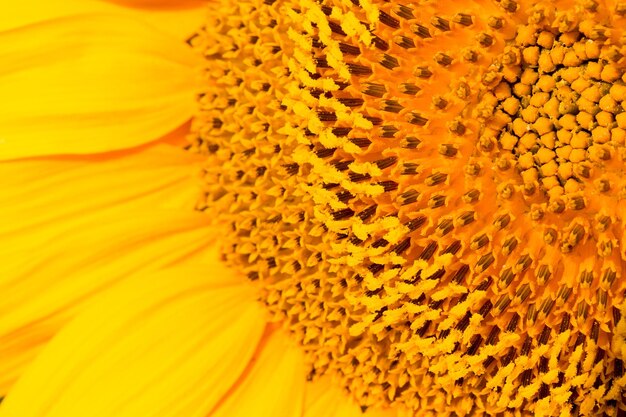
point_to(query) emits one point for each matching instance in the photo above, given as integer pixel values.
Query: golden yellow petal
(323, 398)
(74, 225)
(45, 287)
(39, 197)
(168, 4)
(274, 386)
(178, 19)
(91, 83)
(157, 346)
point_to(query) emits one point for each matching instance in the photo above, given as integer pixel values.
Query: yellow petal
(324, 399)
(162, 345)
(74, 225)
(178, 19)
(169, 4)
(44, 287)
(181, 23)
(274, 386)
(91, 83)
(40, 197)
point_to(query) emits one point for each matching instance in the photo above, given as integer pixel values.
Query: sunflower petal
(182, 23)
(40, 197)
(91, 83)
(324, 399)
(157, 346)
(177, 18)
(73, 226)
(45, 287)
(274, 386)
(169, 4)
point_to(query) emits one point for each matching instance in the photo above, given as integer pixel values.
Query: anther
(444, 227)
(348, 49)
(439, 102)
(380, 43)
(389, 131)
(389, 185)
(351, 101)
(387, 162)
(428, 251)
(421, 31)
(409, 168)
(472, 169)
(523, 292)
(417, 119)
(523, 263)
(556, 206)
(485, 39)
(423, 72)
(404, 42)
(368, 212)
(470, 55)
(448, 150)
(462, 90)
(484, 262)
(509, 5)
(452, 248)
(495, 22)
(336, 28)
(582, 310)
(479, 241)
(389, 62)
(576, 203)
(436, 179)
(471, 196)
(436, 201)
(404, 11)
(466, 218)
(462, 19)
(509, 245)
(388, 20)
(359, 70)
(443, 59)
(536, 213)
(440, 23)
(408, 197)
(549, 236)
(502, 221)
(392, 106)
(411, 142)
(502, 303)
(409, 89)
(374, 90)
(456, 127)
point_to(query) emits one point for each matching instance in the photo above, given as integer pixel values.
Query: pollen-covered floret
(429, 195)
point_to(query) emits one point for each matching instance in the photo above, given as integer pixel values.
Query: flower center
(554, 124)
(559, 113)
(428, 195)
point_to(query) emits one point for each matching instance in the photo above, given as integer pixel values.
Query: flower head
(429, 195)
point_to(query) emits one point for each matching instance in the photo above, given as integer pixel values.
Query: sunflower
(303, 208)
